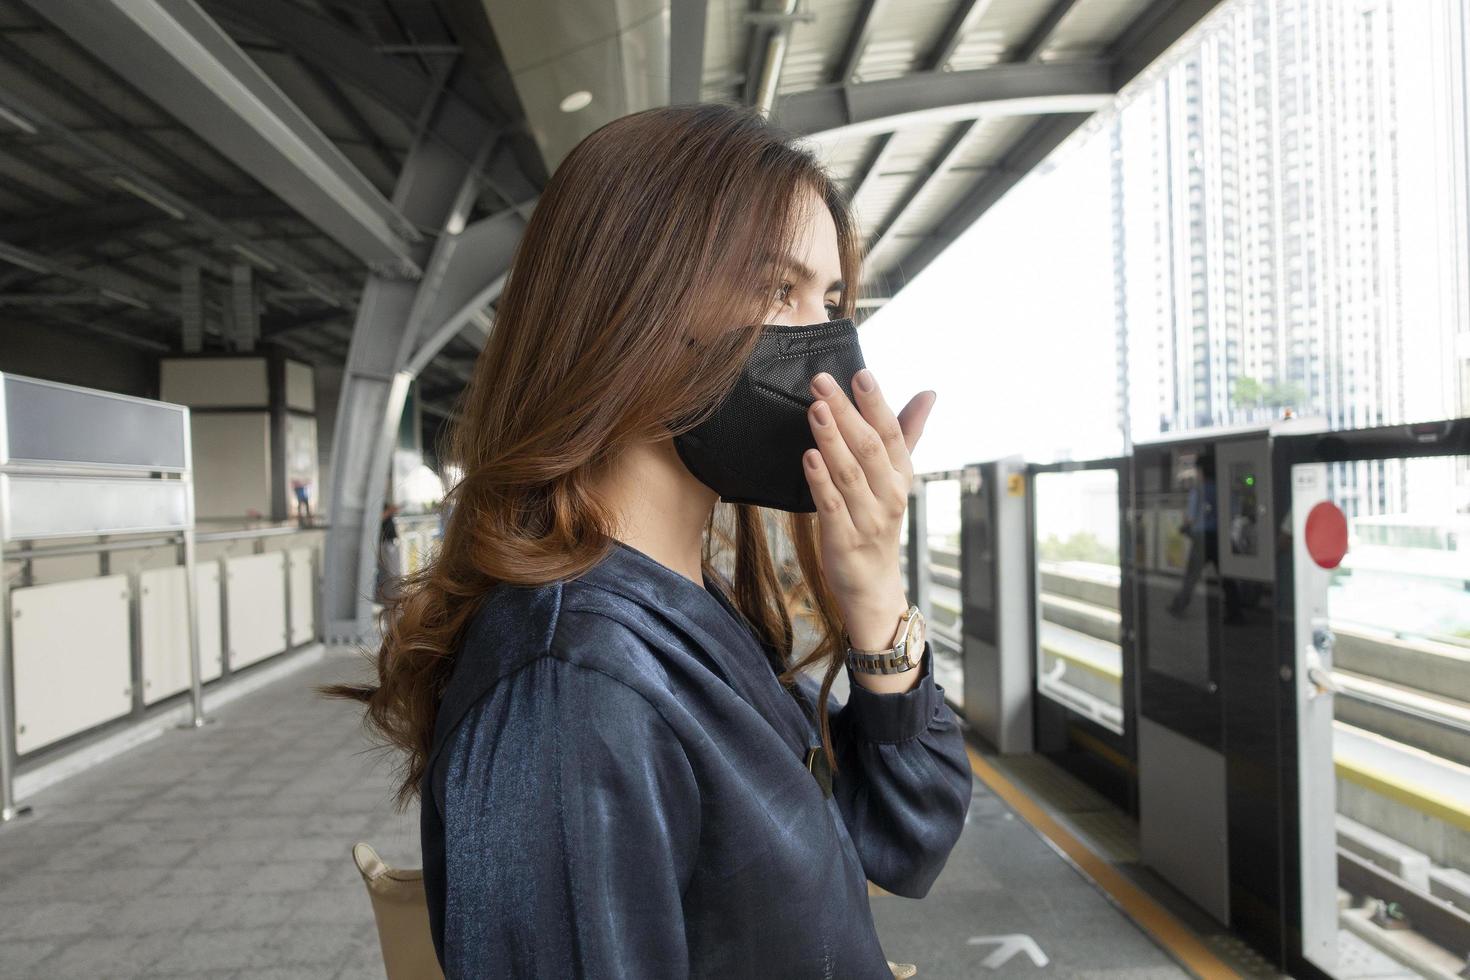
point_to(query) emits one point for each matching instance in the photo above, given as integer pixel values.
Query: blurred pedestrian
(303, 501)
(388, 558)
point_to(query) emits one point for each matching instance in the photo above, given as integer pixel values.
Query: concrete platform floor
(224, 853)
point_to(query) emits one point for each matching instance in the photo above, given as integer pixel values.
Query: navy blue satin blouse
(616, 788)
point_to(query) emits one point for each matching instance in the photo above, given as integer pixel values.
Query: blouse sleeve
(571, 827)
(903, 782)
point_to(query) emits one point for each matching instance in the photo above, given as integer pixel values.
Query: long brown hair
(634, 298)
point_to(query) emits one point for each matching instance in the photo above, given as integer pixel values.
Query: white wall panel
(214, 382)
(163, 621)
(211, 629)
(232, 463)
(303, 589)
(255, 596)
(300, 387)
(71, 658)
(50, 507)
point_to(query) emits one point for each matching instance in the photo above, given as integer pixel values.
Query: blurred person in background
(389, 560)
(300, 488)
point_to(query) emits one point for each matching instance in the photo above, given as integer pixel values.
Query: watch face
(915, 644)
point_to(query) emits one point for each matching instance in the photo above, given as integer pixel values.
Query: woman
(389, 559)
(614, 744)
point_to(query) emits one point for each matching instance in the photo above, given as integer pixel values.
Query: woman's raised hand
(860, 475)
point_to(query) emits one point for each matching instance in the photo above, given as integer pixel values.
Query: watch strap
(891, 661)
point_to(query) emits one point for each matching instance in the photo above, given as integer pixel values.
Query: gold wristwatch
(908, 648)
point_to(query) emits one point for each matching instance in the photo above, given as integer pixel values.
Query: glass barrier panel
(1178, 561)
(1399, 611)
(945, 620)
(1078, 582)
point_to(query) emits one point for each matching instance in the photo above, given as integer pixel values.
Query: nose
(813, 311)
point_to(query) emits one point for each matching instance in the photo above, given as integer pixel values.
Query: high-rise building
(1290, 225)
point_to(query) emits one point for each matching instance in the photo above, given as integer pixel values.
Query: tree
(1250, 393)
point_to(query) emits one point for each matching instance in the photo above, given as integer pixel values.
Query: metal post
(227, 653)
(918, 548)
(8, 808)
(139, 685)
(318, 631)
(286, 581)
(191, 602)
(775, 58)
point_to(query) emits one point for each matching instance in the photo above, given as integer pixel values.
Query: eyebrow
(804, 271)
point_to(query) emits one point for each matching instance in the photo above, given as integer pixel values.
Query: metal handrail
(244, 534)
(1378, 633)
(1406, 710)
(56, 551)
(429, 518)
(939, 476)
(132, 544)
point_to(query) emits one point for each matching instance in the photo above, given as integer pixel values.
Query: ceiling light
(577, 100)
(321, 293)
(25, 260)
(17, 120)
(144, 194)
(254, 256)
(123, 298)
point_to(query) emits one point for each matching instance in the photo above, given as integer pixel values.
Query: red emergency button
(1326, 534)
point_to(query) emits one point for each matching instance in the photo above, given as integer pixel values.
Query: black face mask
(749, 451)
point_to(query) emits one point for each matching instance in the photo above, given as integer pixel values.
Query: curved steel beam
(400, 326)
(470, 275)
(870, 108)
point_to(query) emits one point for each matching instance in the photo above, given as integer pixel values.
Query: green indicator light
(1250, 481)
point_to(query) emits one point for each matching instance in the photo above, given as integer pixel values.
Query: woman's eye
(833, 309)
(782, 291)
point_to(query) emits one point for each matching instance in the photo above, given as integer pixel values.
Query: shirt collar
(711, 620)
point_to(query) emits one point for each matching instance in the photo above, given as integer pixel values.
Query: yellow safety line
(1148, 914)
(1415, 797)
(1106, 673)
(1101, 748)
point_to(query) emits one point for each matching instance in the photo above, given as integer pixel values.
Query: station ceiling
(142, 140)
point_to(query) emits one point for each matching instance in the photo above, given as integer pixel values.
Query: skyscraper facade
(1289, 195)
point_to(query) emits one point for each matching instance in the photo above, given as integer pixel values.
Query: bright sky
(1013, 326)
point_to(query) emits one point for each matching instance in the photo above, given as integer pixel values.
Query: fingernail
(824, 384)
(823, 413)
(864, 380)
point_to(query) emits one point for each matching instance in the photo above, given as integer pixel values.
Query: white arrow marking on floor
(1009, 946)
